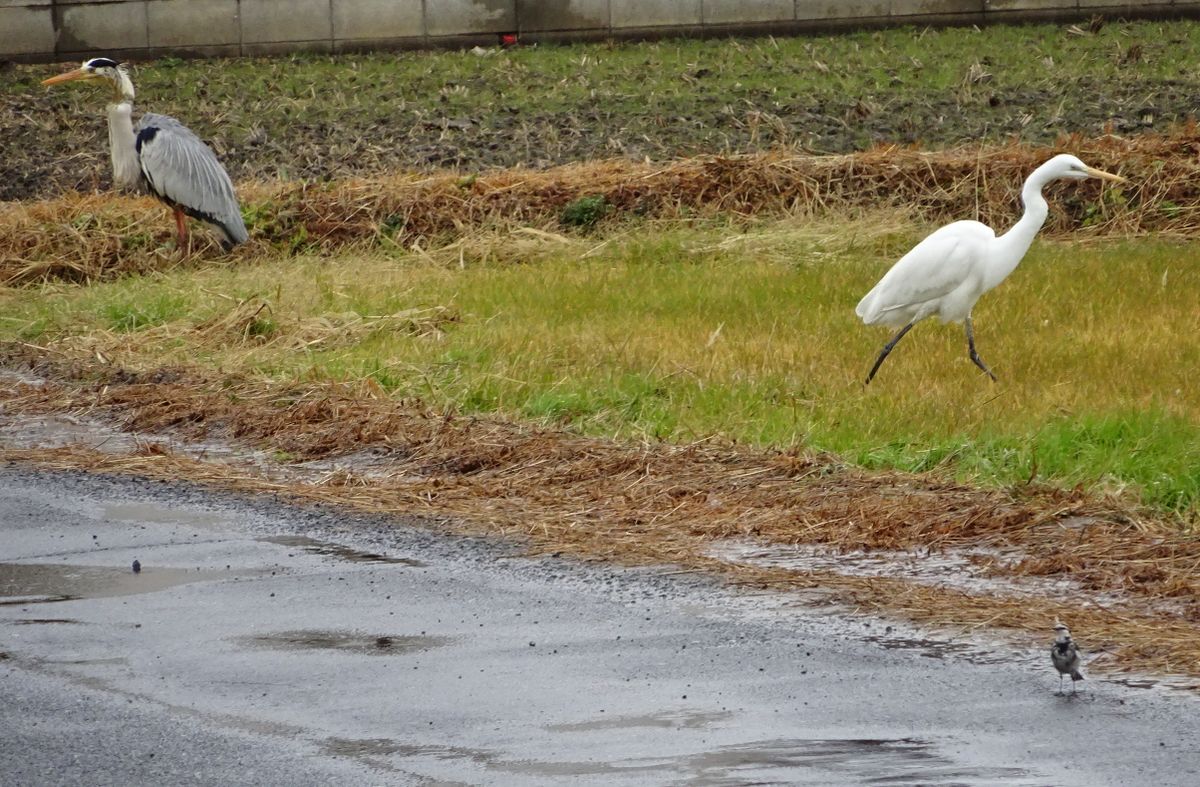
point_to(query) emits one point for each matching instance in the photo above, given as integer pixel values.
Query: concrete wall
(39, 30)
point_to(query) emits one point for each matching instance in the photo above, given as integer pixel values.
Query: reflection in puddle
(154, 512)
(382, 747)
(932, 648)
(823, 761)
(1133, 683)
(672, 720)
(29, 583)
(359, 747)
(781, 761)
(337, 550)
(345, 642)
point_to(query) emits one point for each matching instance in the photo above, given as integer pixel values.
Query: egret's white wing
(181, 170)
(933, 269)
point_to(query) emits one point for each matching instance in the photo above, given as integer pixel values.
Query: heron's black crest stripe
(145, 135)
(102, 62)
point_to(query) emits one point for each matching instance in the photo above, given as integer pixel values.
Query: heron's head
(1068, 166)
(100, 68)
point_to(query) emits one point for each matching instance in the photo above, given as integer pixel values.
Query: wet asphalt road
(266, 644)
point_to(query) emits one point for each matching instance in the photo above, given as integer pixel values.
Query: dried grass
(656, 503)
(89, 237)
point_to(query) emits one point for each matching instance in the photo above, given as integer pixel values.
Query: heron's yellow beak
(1099, 173)
(78, 73)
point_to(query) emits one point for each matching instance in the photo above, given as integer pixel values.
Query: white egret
(162, 156)
(945, 274)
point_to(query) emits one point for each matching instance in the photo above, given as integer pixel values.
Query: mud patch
(345, 642)
(339, 551)
(30, 583)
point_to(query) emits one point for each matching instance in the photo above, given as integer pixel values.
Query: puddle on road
(161, 514)
(965, 570)
(57, 431)
(345, 642)
(316, 547)
(671, 720)
(779, 761)
(35, 583)
(835, 761)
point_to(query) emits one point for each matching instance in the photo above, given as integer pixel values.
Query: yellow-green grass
(685, 333)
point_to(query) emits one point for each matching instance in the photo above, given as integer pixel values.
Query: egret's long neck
(127, 173)
(1012, 245)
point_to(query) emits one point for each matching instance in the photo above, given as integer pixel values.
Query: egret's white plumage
(161, 156)
(946, 273)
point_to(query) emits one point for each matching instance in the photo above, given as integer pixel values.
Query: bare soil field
(315, 118)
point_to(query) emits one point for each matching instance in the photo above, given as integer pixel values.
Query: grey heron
(165, 158)
(945, 274)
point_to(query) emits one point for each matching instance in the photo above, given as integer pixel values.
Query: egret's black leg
(887, 348)
(974, 355)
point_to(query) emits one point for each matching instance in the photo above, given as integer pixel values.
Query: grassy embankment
(683, 330)
(685, 333)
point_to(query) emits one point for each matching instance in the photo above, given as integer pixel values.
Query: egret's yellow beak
(78, 73)
(1099, 173)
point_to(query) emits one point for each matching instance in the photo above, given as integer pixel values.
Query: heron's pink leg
(181, 228)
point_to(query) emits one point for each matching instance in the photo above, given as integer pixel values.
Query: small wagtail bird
(1065, 656)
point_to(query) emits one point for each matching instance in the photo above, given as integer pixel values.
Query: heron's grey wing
(181, 170)
(934, 268)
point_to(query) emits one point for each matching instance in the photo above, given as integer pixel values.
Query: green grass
(134, 313)
(683, 333)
